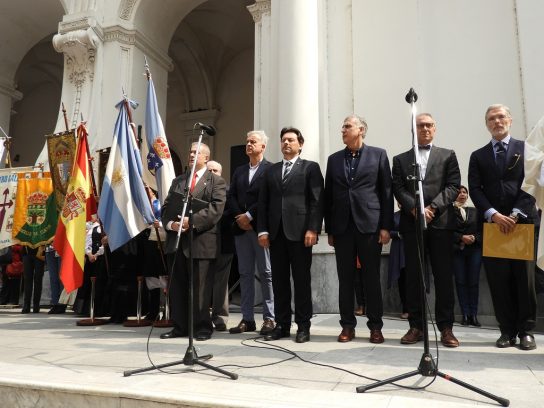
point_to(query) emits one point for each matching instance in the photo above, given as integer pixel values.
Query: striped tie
(286, 171)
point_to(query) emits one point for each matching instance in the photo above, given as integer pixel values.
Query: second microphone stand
(427, 366)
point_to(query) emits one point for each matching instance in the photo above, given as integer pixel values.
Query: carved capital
(79, 48)
(260, 8)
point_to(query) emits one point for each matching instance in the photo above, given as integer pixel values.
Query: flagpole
(7, 145)
(65, 117)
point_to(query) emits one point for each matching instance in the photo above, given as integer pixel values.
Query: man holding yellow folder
(495, 176)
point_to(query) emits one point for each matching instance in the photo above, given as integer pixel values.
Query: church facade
(265, 64)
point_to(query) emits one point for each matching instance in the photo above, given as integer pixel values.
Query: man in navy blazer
(441, 179)
(495, 176)
(242, 201)
(358, 218)
(289, 221)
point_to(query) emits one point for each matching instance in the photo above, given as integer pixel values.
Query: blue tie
(500, 156)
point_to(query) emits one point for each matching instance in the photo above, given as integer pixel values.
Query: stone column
(8, 95)
(286, 71)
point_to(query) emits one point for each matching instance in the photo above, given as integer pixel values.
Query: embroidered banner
(8, 191)
(61, 148)
(35, 218)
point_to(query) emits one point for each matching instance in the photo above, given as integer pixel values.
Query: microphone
(209, 129)
(411, 96)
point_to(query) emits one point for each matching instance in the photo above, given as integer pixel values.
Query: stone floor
(49, 361)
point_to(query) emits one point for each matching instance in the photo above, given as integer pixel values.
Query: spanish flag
(79, 206)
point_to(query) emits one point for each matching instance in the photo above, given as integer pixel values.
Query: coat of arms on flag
(35, 218)
(61, 148)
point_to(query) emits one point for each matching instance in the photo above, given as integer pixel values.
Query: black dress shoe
(473, 321)
(220, 327)
(527, 342)
(505, 341)
(303, 336)
(25, 310)
(203, 335)
(57, 309)
(464, 321)
(172, 334)
(278, 333)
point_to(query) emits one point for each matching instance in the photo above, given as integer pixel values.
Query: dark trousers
(512, 286)
(347, 247)
(439, 249)
(202, 294)
(292, 258)
(466, 264)
(33, 270)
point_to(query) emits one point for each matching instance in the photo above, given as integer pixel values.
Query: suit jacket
(491, 189)
(367, 198)
(440, 187)
(296, 205)
(211, 189)
(469, 226)
(243, 196)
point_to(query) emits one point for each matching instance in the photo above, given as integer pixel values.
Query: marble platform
(48, 361)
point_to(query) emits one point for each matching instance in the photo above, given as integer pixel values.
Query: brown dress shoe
(242, 327)
(412, 336)
(448, 339)
(376, 336)
(267, 327)
(347, 334)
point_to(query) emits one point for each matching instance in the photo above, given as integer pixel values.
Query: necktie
(193, 183)
(500, 156)
(286, 171)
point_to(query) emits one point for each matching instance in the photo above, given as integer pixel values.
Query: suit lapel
(259, 171)
(433, 157)
(201, 183)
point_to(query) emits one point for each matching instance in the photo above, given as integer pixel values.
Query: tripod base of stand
(191, 358)
(163, 323)
(91, 322)
(137, 323)
(427, 368)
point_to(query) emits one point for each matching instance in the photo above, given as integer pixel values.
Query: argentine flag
(124, 207)
(159, 159)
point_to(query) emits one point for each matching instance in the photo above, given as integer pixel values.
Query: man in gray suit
(289, 221)
(209, 192)
(242, 201)
(441, 180)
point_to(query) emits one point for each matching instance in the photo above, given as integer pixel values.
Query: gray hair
(214, 163)
(498, 106)
(360, 121)
(204, 148)
(261, 134)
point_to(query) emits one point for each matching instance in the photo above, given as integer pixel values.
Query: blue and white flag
(124, 207)
(159, 159)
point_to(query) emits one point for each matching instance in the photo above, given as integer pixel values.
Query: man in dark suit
(289, 221)
(209, 190)
(242, 200)
(358, 218)
(495, 176)
(441, 179)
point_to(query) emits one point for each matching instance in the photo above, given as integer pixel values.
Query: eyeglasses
(425, 125)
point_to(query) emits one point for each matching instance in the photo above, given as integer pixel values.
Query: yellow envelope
(519, 244)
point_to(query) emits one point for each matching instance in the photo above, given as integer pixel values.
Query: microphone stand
(427, 366)
(191, 357)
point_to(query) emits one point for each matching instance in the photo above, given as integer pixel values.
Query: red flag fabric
(79, 206)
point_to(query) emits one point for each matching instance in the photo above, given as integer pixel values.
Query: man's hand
(243, 222)
(429, 214)
(506, 224)
(331, 240)
(384, 237)
(468, 239)
(264, 241)
(310, 238)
